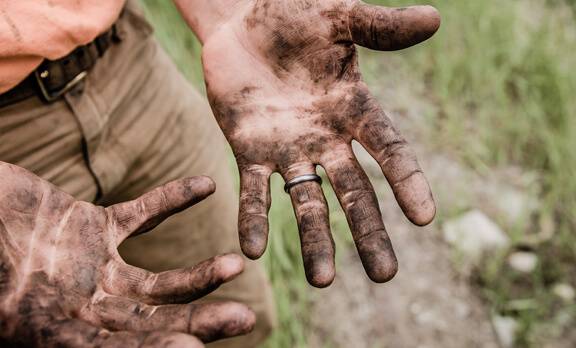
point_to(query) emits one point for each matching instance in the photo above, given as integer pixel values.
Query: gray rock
(474, 233)
(506, 329)
(565, 292)
(522, 261)
(513, 206)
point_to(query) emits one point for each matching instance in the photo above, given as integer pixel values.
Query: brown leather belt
(53, 78)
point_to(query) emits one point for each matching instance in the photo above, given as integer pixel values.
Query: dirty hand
(63, 283)
(283, 81)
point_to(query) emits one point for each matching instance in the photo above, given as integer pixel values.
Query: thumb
(389, 29)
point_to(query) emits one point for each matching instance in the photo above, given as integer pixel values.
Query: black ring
(300, 179)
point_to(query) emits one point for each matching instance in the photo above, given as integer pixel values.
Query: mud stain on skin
(232, 107)
(258, 15)
(292, 49)
(5, 270)
(324, 61)
(13, 28)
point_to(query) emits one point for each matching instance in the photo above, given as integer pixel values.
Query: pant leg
(160, 129)
(189, 145)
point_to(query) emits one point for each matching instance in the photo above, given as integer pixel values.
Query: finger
(151, 340)
(388, 29)
(253, 213)
(399, 165)
(78, 333)
(176, 286)
(315, 238)
(149, 210)
(360, 204)
(208, 322)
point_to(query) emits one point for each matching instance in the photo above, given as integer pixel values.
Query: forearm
(205, 16)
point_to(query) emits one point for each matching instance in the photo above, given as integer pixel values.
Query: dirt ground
(429, 303)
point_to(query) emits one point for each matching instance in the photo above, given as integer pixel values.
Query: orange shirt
(31, 30)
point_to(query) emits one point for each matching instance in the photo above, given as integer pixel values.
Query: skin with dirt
(63, 283)
(284, 84)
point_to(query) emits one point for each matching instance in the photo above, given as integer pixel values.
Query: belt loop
(81, 102)
(85, 59)
(116, 37)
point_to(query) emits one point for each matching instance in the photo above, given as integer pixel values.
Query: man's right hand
(285, 86)
(63, 283)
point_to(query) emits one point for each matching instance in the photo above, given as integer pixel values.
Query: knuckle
(397, 147)
(316, 221)
(358, 194)
(404, 178)
(150, 284)
(312, 207)
(369, 235)
(164, 200)
(364, 216)
(253, 201)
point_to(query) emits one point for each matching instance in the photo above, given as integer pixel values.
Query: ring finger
(311, 212)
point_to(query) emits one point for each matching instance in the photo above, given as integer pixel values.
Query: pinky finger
(150, 340)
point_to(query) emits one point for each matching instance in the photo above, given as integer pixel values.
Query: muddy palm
(63, 283)
(284, 83)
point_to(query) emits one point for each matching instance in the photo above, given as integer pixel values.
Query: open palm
(63, 283)
(285, 87)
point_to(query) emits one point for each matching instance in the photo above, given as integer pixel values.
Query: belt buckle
(50, 97)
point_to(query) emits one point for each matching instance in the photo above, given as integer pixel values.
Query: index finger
(149, 210)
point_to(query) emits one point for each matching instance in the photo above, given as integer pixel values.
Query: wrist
(205, 16)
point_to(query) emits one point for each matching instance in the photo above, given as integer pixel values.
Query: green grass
(502, 75)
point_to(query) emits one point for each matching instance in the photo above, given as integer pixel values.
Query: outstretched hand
(284, 84)
(63, 283)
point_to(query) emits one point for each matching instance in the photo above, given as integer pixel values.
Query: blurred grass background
(503, 77)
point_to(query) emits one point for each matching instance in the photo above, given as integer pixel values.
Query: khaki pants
(134, 124)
